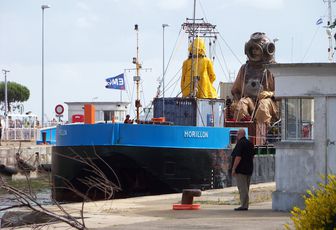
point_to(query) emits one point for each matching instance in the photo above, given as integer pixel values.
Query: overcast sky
(87, 41)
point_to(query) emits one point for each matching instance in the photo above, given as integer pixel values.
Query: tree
(96, 180)
(15, 93)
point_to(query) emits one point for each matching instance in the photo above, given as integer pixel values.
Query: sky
(87, 41)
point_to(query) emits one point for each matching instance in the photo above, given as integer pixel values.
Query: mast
(194, 82)
(137, 77)
(197, 27)
(329, 32)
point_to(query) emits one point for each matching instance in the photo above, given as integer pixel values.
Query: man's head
(241, 133)
(127, 116)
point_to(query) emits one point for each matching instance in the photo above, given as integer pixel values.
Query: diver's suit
(253, 89)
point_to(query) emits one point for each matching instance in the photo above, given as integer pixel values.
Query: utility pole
(43, 7)
(6, 97)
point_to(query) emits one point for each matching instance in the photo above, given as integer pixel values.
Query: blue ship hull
(145, 159)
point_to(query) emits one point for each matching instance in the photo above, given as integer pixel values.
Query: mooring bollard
(187, 200)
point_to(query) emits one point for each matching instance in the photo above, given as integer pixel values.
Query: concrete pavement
(155, 212)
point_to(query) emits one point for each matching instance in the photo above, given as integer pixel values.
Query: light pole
(6, 98)
(163, 69)
(42, 117)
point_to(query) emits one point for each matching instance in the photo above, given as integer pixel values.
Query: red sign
(77, 118)
(59, 109)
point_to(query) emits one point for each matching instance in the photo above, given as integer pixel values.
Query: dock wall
(30, 154)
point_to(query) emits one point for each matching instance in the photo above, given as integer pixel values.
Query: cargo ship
(184, 146)
(139, 159)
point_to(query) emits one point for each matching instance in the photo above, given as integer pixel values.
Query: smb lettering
(117, 82)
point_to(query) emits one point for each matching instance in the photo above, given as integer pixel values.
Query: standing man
(242, 158)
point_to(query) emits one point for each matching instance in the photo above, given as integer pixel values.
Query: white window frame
(298, 120)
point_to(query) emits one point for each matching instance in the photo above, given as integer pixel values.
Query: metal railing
(20, 134)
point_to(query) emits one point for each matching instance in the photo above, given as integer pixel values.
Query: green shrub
(320, 208)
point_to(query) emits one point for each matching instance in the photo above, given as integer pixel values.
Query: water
(41, 187)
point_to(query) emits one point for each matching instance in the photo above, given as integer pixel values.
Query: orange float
(186, 206)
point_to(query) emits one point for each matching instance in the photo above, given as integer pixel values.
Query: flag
(319, 21)
(117, 82)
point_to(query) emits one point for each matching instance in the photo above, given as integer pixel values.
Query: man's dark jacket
(245, 149)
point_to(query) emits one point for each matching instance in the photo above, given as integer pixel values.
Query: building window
(114, 116)
(119, 116)
(299, 118)
(109, 115)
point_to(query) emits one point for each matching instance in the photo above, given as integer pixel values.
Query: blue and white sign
(117, 82)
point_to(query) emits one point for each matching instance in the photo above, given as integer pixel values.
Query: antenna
(329, 31)
(193, 78)
(137, 77)
(197, 28)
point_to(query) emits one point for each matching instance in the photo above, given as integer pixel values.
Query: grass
(38, 184)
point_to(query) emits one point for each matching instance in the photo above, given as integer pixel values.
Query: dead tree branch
(96, 179)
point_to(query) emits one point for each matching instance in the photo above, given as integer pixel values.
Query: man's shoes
(241, 209)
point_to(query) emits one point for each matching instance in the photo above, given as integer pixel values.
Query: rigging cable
(169, 60)
(172, 83)
(310, 44)
(201, 6)
(206, 19)
(171, 55)
(227, 45)
(130, 97)
(313, 38)
(127, 87)
(142, 93)
(226, 65)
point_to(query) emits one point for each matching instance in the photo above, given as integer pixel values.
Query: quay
(28, 152)
(155, 212)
